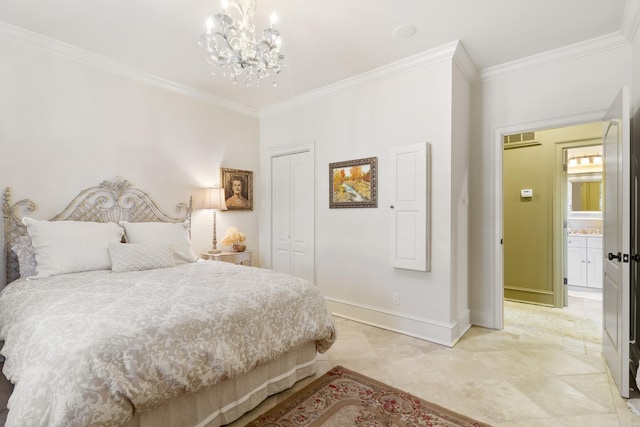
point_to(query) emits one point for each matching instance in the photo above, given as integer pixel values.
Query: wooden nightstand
(242, 258)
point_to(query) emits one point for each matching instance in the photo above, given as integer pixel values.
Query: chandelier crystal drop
(231, 44)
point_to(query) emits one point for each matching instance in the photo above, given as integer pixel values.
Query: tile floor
(544, 368)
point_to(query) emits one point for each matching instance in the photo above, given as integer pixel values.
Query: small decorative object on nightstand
(234, 238)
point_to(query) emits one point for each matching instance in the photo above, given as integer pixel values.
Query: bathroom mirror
(585, 193)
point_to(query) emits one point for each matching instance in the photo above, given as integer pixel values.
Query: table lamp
(214, 200)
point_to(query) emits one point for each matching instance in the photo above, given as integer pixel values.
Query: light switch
(527, 192)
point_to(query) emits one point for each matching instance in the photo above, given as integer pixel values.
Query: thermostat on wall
(527, 192)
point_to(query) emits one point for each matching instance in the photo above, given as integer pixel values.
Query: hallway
(580, 320)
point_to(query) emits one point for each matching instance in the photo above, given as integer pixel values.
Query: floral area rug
(343, 398)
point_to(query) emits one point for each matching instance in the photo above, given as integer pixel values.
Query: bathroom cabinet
(584, 261)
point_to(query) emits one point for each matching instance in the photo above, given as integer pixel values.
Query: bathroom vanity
(584, 260)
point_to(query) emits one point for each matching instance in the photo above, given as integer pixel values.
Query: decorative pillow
(26, 256)
(139, 256)
(173, 235)
(71, 246)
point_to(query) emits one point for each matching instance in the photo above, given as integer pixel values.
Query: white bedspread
(93, 348)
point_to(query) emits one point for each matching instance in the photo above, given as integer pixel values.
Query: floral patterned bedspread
(93, 348)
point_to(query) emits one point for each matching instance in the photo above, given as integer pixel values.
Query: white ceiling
(324, 41)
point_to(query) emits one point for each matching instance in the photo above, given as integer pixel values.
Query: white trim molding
(443, 333)
(630, 20)
(415, 62)
(104, 63)
(567, 53)
(464, 62)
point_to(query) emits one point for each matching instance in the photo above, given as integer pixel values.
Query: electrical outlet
(396, 298)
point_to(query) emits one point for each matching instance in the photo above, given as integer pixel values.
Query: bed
(159, 338)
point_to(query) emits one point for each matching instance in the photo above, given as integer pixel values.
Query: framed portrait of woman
(238, 189)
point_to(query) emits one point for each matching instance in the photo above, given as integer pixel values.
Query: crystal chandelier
(231, 44)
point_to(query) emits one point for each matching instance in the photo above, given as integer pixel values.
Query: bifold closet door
(292, 213)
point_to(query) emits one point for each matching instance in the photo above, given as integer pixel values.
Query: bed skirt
(230, 399)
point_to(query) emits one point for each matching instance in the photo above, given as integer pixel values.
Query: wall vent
(524, 139)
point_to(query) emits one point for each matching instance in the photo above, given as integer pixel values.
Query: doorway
(582, 193)
(543, 236)
(498, 132)
(616, 224)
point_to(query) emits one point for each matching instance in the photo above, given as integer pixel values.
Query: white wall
(352, 256)
(559, 93)
(460, 136)
(66, 126)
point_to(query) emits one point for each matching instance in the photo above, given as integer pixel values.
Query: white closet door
(302, 222)
(281, 214)
(293, 214)
(409, 207)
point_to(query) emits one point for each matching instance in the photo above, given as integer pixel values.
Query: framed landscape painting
(354, 183)
(238, 189)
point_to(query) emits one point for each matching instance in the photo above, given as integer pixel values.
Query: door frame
(497, 133)
(266, 221)
(560, 214)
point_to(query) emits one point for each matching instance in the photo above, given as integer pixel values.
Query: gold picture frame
(354, 183)
(238, 189)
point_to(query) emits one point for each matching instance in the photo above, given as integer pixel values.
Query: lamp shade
(214, 199)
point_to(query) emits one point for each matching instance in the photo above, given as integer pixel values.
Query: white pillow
(71, 246)
(139, 256)
(173, 235)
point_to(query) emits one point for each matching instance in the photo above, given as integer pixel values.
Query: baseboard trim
(528, 290)
(447, 334)
(482, 318)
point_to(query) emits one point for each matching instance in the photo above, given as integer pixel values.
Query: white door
(281, 214)
(616, 320)
(409, 221)
(292, 213)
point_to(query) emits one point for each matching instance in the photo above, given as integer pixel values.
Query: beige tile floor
(544, 368)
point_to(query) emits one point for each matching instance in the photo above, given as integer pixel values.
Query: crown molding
(630, 19)
(430, 57)
(577, 50)
(465, 64)
(104, 63)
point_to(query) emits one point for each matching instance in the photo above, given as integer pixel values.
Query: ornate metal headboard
(111, 201)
